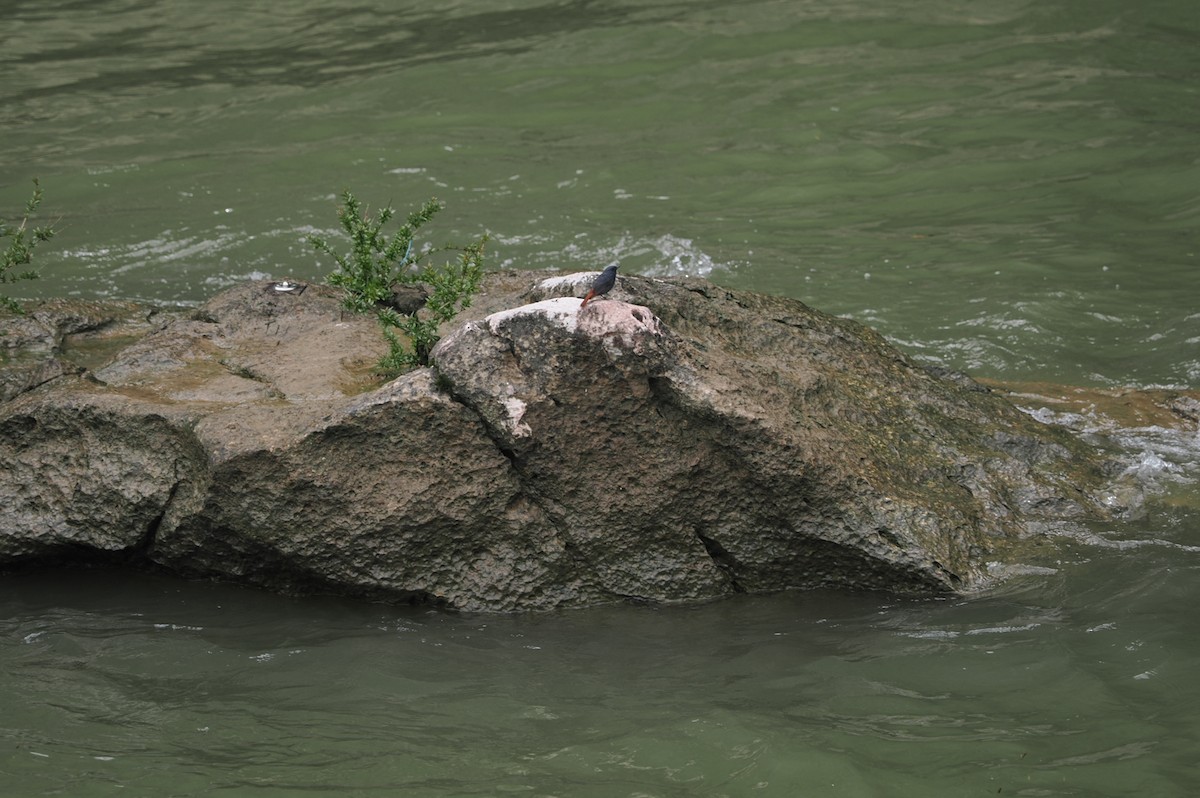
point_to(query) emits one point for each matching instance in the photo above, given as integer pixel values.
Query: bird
(602, 284)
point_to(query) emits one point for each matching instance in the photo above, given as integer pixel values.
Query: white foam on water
(666, 255)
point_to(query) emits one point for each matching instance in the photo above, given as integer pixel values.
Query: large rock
(675, 442)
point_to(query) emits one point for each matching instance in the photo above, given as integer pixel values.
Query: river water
(1008, 188)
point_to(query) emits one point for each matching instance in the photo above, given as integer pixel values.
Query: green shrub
(377, 261)
(16, 258)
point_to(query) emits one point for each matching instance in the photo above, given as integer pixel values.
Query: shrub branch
(377, 261)
(17, 256)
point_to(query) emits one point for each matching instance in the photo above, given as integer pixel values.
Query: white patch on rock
(562, 311)
(574, 280)
(516, 412)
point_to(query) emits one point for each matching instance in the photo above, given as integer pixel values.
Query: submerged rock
(673, 442)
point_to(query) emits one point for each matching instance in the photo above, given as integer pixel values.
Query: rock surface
(673, 442)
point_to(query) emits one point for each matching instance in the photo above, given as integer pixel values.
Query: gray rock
(672, 442)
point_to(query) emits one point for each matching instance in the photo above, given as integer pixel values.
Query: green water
(1008, 188)
(1076, 683)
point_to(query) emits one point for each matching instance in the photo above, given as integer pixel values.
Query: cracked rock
(671, 442)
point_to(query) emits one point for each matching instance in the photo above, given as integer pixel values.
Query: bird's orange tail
(587, 298)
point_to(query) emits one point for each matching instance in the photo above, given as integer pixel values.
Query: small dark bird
(602, 284)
